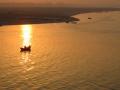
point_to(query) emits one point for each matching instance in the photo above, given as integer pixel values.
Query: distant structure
(89, 18)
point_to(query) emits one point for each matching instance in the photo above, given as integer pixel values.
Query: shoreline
(45, 15)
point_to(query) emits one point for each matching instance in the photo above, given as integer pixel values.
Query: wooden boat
(25, 48)
(89, 18)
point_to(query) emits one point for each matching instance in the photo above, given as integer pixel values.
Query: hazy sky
(86, 3)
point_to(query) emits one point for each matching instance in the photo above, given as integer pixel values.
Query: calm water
(83, 56)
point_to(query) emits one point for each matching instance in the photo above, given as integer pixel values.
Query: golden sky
(69, 2)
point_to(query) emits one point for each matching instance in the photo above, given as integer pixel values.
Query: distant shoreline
(38, 15)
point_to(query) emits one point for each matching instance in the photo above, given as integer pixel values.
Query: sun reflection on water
(26, 34)
(26, 62)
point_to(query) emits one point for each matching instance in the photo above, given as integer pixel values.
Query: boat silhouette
(25, 48)
(89, 18)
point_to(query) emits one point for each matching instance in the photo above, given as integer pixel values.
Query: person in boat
(25, 47)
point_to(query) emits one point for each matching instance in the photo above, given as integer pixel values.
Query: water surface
(83, 56)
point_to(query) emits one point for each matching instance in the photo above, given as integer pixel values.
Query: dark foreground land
(37, 15)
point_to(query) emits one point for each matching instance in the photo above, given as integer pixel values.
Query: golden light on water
(26, 62)
(26, 34)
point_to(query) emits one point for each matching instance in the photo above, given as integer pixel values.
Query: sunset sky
(83, 3)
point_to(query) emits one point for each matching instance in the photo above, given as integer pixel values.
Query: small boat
(25, 48)
(89, 18)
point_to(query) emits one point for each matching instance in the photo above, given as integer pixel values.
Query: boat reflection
(26, 62)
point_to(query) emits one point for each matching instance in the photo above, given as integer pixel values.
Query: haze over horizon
(71, 3)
